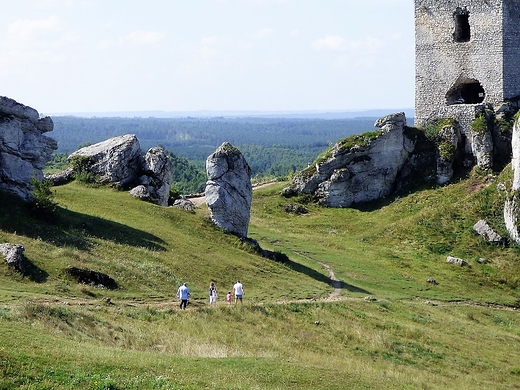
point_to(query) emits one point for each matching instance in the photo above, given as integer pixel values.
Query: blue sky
(61, 56)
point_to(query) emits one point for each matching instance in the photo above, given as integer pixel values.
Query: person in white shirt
(212, 293)
(238, 291)
(183, 293)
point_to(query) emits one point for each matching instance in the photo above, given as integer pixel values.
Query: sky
(70, 56)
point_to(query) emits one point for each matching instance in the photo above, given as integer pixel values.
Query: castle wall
(511, 23)
(486, 59)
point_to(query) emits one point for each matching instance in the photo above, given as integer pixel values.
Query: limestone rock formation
(116, 160)
(448, 141)
(483, 229)
(24, 150)
(141, 192)
(456, 261)
(120, 161)
(158, 175)
(512, 203)
(184, 204)
(362, 170)
(13, 254)
(228, 190)
(61, 178)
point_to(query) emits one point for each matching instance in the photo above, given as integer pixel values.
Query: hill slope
(461, 333)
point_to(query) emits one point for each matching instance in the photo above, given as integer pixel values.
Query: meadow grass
(390, 328)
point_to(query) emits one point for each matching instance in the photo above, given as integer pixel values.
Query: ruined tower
(467, 55)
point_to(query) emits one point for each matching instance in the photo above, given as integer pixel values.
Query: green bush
(42, 196)
(434, 128)
(80, 166)
(479, 124)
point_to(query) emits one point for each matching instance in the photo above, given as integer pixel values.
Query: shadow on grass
(284, 259)
(33, 272)
(67, 228)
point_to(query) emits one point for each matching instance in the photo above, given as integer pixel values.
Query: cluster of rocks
(372, 166)
(120, 161)
(24, 150)
(365, 171)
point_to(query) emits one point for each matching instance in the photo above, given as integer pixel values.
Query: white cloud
(27, 29)
(332, 42)
(264, 33)
(45, 5)
(267, 2)
(337, 43)
(133, 39)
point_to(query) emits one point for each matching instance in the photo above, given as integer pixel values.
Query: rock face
(373, 165)
(24, 150)
(120, 161)
(158, 175)
(228, 190)
(449, 139)
(512, 203)
(116, 160)
(362, 171)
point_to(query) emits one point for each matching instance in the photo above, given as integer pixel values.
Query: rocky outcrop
(24, 150)
(361, 168)
(448, 141)
(456, 261)
(512, 203)
(13, 254)
(228, 190)
(483, 229)
(119, 161)
(61, 178)
(158, 175)
(184, 204)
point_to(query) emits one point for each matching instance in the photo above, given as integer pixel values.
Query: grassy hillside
(389, 328)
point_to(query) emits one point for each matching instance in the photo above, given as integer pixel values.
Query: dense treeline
(273, 147)
(187, 178)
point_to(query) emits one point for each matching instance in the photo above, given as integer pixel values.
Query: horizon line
(350, 113)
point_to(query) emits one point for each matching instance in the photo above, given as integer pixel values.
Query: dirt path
(335, 282)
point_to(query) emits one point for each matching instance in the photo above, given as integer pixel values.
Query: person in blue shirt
(183, 293)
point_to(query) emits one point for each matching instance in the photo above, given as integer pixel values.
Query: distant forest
(273, 147)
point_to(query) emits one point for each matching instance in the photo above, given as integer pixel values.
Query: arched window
(462, 30)
(465, 91)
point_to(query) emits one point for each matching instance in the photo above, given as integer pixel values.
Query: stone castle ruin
(467, 54)
(467, 91)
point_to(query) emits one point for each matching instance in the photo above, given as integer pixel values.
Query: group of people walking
(183, 293)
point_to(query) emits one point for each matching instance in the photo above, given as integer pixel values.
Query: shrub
(80, 166)
(43, 197)
(434, 128)
(174, 195)
(479, 124)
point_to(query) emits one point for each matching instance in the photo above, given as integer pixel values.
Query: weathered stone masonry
(467, 54)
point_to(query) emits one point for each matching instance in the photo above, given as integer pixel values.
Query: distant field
(272, 146)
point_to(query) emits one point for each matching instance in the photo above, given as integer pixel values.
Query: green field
(387, 329)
